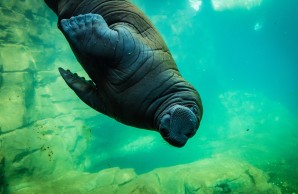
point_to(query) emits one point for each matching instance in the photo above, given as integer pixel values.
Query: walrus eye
(194, 109)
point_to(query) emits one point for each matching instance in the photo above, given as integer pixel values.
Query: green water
(240, 55)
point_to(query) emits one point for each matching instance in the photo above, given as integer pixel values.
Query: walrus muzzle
(178, 124)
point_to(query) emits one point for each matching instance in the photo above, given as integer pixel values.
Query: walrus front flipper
(85, 90)
(90, 34)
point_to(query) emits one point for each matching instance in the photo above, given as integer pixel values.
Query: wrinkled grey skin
(134, 77)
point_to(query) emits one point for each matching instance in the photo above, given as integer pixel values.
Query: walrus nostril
(188, 135)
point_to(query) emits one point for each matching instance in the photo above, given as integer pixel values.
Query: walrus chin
(177, 141)
(177, 125)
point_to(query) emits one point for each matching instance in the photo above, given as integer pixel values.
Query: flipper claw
(86, 90)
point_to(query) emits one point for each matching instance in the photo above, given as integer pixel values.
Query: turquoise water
(240, 55)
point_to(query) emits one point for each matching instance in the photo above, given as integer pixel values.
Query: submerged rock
(2, 178)
(214, 175)
(12, 104)
(1, 78)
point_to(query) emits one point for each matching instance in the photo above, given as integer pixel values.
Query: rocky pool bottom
(213, 175)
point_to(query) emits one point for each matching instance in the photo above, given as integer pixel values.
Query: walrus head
(178, 124)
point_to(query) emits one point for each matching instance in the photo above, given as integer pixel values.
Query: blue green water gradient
(240, 55)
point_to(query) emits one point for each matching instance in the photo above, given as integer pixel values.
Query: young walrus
(134, 77)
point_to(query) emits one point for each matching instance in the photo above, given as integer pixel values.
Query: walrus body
(134, 77)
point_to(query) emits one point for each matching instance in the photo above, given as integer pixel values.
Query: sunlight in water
(220, 5)
(195, 4)
(258, 26)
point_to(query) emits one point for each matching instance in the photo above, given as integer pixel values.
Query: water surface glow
(195, 4)
(220, 5)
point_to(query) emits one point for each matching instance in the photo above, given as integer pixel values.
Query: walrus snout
(178, 124)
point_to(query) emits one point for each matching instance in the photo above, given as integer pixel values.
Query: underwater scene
(240, 55)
